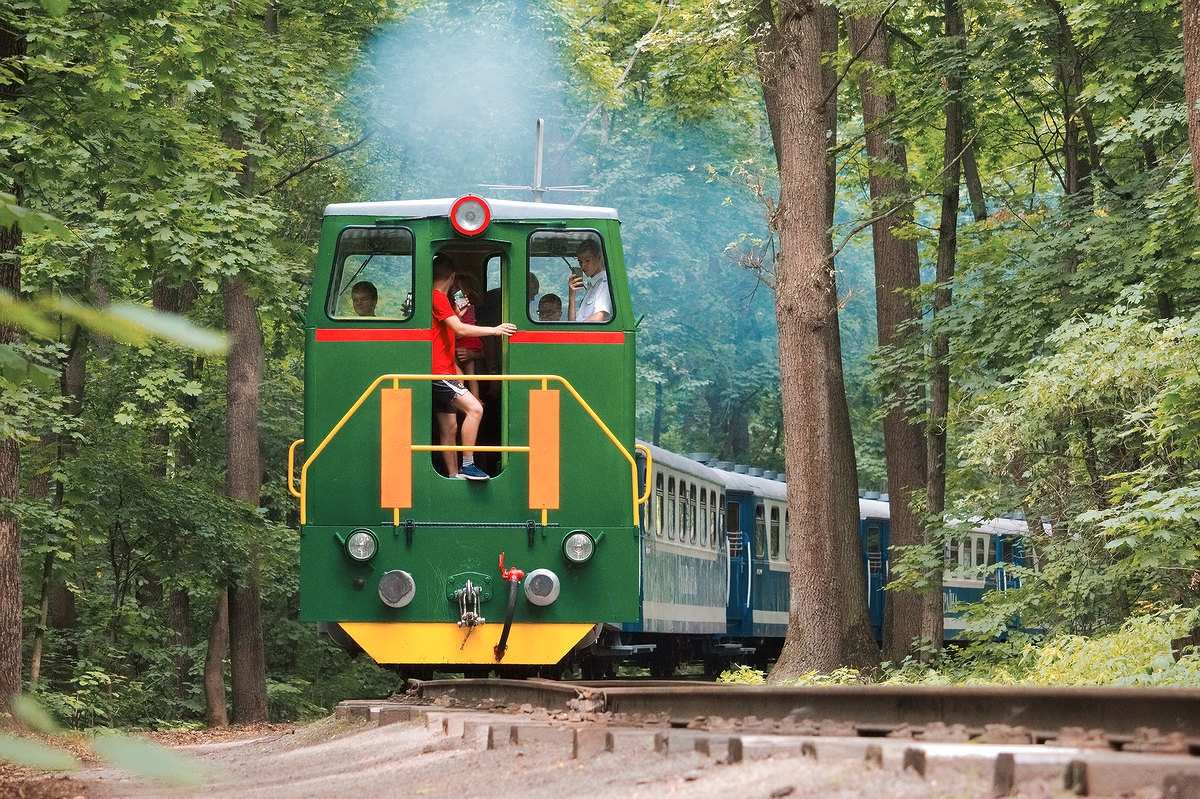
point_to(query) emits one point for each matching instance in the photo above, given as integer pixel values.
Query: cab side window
(567, 280)
(372, 275)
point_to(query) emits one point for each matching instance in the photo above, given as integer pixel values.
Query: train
(580, 545)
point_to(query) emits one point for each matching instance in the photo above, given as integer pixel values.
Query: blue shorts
(445, 392)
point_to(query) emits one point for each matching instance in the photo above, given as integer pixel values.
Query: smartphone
(577, 271)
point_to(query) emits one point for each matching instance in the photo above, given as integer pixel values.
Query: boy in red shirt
(450, 398)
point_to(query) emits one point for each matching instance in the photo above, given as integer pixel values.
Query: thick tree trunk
(12, 49)
(244, 482)
(897, 275)
(247, 659)
(1191, 82)
(824, 631)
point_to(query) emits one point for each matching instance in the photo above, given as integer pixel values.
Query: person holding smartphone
(591, 279)
(450, 397)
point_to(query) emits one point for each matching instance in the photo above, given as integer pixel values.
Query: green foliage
(136, 756)
(747, 675)
(742, 675)
(147, 760)
(1138, 653)
(35, 754)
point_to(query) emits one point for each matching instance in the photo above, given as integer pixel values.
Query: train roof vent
(725, 465)
(871, 495)
(862, 493)
(884, 497)
(754, 471)
(740, 468)
(781, 477)
(770, 474)
(700, 457)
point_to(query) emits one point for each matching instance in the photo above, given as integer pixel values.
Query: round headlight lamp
(361, 545)
(470, 215)
(578, 547)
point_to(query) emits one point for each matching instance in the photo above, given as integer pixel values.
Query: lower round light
(396, 588)
(541, 587)
(361, 545)
(579, 547)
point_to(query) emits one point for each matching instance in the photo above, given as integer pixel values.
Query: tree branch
(313, 162)
(637, 49)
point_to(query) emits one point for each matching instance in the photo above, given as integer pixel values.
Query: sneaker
(473, 472)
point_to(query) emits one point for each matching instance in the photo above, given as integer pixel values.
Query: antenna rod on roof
(537, 187)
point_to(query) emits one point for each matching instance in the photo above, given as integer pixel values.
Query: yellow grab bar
(397, 378)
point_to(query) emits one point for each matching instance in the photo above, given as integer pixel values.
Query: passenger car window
(556, 255)
(372, 275)
(774, 533)
(760, 531)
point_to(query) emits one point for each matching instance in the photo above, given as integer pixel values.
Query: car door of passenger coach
(737, 613)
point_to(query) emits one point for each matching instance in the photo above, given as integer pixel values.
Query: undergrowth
(1139, 653)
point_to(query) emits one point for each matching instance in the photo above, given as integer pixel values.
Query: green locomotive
(417, 567)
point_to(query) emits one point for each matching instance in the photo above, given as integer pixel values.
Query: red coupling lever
(512, 575)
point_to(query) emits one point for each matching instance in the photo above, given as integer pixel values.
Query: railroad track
(1097, 741)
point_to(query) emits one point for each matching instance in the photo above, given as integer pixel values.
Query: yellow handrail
(292, 468)
(396, 380)
(649, 468)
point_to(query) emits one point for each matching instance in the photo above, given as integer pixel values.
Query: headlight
(579, 547)
(361, 545)
(470, 215)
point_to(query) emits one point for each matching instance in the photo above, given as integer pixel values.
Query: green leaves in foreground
(148, 760)
(137, 756)
(35, 754)
(125, 322)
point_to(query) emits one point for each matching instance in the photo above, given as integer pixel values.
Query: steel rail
(873, 709)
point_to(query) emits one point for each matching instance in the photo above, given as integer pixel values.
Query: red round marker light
(470, 215)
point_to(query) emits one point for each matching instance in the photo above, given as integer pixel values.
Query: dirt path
(338, 758)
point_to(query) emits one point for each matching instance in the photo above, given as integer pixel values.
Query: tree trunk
(897, 275)
(247, 662)
(174, 299)
(939, 385)
(12, 49)
(178, 612)
(824, 629)
(1077, 166)
(244, 482)
(214, 664)
(1191, 82)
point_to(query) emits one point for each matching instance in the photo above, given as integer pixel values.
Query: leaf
(14, 368)
(55, 8)
(147, 760)
(11, 212)
(34, 754)
(170, 327)
(23, 315)
(29, 711)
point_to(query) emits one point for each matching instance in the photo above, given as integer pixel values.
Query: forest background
(188, 149)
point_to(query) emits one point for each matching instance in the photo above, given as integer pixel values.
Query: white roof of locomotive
(501, 209)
